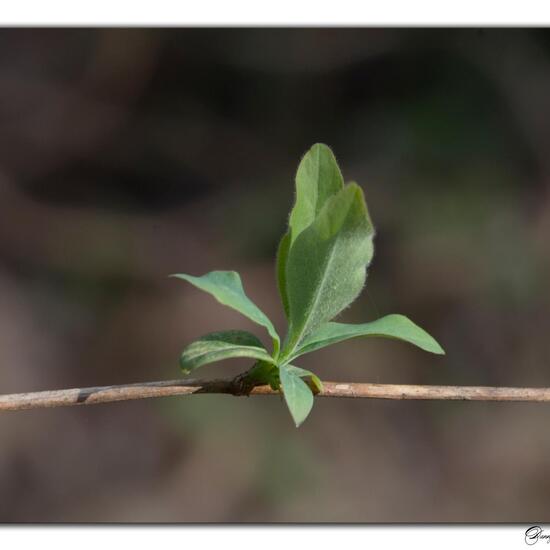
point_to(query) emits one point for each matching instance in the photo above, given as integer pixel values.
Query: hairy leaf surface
(282, 257)
(327, 263)
(318, 178)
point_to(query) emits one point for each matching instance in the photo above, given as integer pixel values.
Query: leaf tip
(321, 146)
(298, 421)
(434, 346)
(439, 350)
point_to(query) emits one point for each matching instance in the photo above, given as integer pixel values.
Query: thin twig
(166, 388)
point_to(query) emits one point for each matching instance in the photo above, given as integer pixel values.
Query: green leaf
(318, 178)
(298, 395)
(282, 257)
(227, 288)
(303, 373)
(327, 263)
(394, 326)
(217, 346)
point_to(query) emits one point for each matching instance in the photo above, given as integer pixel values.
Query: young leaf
(327, 263)
(222, 345)
(394, 326)
(227, 288)
(318, 178)
(298, 395)
(282, 256)
(303, 373)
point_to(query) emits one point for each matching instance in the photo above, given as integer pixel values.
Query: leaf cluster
(322, 263)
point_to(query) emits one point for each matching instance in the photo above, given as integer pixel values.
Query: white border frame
(280, 13)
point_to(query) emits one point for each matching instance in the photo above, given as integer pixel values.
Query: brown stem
(166, 388)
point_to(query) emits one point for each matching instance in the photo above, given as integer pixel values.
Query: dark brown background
(126, 155)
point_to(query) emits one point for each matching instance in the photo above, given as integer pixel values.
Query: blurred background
(130, 154)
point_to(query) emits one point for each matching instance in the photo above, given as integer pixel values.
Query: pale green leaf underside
(326, 267)
(394, 326)
(227, 288)
(298, 395)
(217, 346)
(304, 373)
(318, 178)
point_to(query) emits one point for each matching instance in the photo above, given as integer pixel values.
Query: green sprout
(322, 265)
